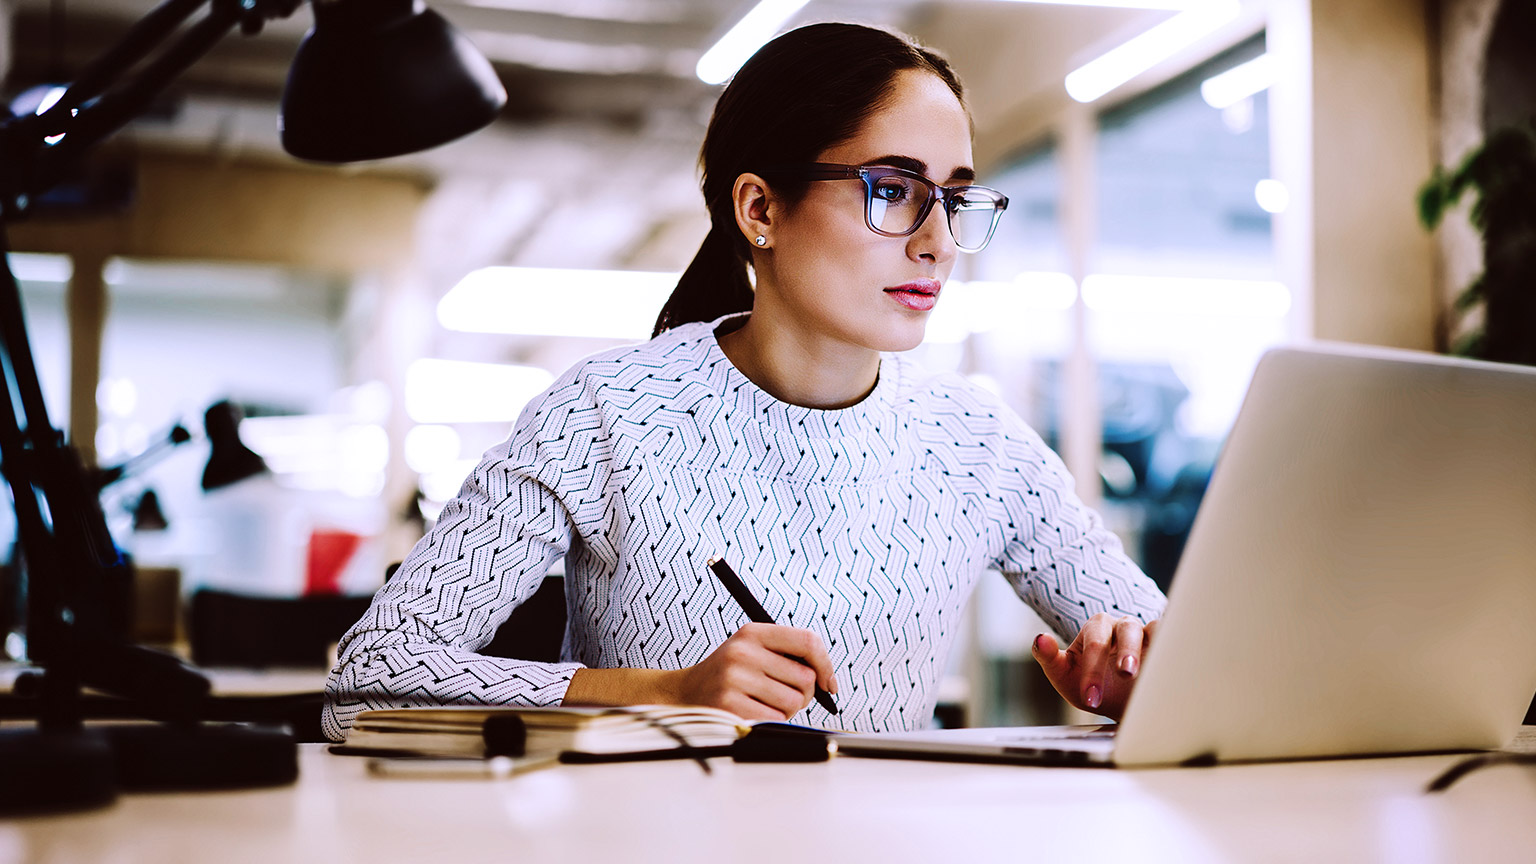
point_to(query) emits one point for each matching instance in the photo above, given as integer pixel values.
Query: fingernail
(1038, 646)
(1128, 664)
(1093, 696)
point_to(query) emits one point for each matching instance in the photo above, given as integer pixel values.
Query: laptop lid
(1361, 576)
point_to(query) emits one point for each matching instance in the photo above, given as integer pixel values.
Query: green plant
(1502, 176)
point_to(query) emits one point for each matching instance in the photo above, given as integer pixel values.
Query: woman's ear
(755, 208)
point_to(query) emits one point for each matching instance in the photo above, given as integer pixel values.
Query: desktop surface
(844, 810)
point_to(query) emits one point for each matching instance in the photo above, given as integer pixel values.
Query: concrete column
(87, 302)
(6, 12)
(1372, 145)
(1081, 436)
(1288, 41)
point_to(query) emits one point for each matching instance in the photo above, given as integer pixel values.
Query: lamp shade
(380, 78)
(229, 460)
(147, 515)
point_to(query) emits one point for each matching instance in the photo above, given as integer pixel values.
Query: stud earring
(761, 240)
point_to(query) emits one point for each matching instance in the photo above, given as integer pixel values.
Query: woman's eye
(890, 191)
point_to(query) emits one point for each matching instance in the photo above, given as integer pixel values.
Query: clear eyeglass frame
(977, 208)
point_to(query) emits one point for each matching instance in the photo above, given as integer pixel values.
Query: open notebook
(481, 732)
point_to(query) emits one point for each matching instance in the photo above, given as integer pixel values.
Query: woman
(771, 424)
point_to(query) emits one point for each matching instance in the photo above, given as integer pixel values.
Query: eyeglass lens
(897, 203)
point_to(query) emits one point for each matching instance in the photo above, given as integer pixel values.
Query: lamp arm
(114, 109)
(104, 477)
(140, 39)
(16, 354)
(33, 165)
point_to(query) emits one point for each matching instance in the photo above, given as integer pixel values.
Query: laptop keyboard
(1064, 733)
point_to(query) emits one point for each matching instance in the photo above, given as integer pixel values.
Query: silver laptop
(1360, 579)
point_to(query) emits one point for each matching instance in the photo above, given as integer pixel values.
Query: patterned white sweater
(868, 525)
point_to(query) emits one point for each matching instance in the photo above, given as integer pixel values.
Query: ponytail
(715, 284)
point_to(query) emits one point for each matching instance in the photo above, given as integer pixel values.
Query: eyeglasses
(896, 201)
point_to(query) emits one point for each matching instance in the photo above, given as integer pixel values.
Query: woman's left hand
(1097, 671)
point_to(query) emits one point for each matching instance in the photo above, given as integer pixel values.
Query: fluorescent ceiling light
(321, 452)
(1163, 295)
(38, 267)
(721, 61)
(457, 391)
(1239, 82)
(202, 281)
(1167, 39)
(533, 301)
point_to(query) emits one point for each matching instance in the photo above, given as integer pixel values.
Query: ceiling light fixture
(535, 301)
(722, 60)
(1119, 65)
(441, 391)
(1239, 82)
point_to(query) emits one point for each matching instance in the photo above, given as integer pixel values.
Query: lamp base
(61, 772)
(202, 756)
(54, 772)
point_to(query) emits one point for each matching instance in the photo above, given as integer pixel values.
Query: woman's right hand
(763, 672)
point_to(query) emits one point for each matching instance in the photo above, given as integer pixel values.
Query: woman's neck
(800, 368)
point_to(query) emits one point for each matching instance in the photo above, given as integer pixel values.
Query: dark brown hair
(807, 90)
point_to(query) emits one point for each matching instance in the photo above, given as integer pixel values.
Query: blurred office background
(1191, 182)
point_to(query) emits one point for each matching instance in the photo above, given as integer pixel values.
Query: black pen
(757, 613)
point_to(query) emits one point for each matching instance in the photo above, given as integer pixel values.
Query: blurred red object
(329, 553)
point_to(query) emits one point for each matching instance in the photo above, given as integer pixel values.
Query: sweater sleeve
(489, 551)
(1057, 553)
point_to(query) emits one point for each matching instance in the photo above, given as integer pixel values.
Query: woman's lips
(919, 295)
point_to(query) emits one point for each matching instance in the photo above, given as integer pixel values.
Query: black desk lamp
(374, 78)
(229, 460)
(147, 515)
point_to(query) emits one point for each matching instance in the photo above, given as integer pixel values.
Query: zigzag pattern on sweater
(868, 526)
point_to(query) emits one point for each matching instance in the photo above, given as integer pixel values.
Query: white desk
(848, 810)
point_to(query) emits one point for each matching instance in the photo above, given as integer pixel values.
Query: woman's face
(831, 278)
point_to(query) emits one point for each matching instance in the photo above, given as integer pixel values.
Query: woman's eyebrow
(918, 166)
